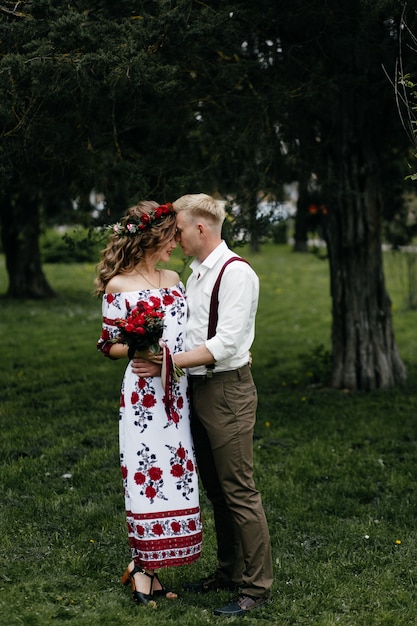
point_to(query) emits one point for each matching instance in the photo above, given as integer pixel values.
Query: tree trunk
(365, 355)
(20, 231)
(301, 222)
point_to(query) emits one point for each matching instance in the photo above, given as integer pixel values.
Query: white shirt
(238, 303)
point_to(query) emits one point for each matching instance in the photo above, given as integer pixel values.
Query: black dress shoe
(242, 605)
(211, 583)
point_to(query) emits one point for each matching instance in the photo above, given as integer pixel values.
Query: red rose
(176, 527)
(192, 525)
(181, 453)
(148, 400)
(177, 470)
(150, 492)
(105, 335)
(157, 529)
(155, 473)
(190, 465)
(129, 328)
(139, 330)
(139, 478)
(145, 219)
(134, 398)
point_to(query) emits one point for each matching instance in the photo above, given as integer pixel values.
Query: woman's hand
(145, 368)
(148, 355)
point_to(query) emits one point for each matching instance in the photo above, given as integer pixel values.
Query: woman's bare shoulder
(124, 282)
(169, 278)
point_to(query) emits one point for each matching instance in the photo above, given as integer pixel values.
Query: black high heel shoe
(163, 591)
(138, 596)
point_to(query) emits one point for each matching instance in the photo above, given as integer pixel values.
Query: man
(223, 403)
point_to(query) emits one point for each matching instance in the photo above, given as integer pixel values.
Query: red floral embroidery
(156, 301)
(152, 475)
(182, 468)
(175, 417)
(155, 473)
(176, 527)
(176, 470)
(150, 492)
(105, 335)
(110, 298)
(124, 472)
(142, 400)
(148, 401)
(140, 478)
(157, 529)
(167, 299)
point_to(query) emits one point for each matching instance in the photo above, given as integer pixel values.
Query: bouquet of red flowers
(142, 329)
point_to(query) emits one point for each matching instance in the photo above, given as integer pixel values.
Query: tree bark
(20, 229)
(301, 223)
(365, 355)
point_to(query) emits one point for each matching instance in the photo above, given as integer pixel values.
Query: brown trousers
(223, 414)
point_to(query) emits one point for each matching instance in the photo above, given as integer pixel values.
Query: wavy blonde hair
(123, 253)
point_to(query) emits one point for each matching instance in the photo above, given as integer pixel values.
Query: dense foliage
(160, 98)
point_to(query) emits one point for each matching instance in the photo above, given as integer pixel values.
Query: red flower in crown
(136, 225)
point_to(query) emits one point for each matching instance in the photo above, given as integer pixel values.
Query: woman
(156, 451)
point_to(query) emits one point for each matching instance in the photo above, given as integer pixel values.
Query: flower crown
(136, 225)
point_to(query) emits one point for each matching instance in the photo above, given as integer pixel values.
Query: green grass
(337, 471)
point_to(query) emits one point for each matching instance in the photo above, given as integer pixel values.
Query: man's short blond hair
(201, 205)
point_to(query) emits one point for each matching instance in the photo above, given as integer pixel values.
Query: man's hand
(144, 368)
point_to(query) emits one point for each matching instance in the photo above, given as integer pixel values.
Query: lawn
(337, 471)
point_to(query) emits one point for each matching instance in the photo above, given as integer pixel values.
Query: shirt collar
(210, 261)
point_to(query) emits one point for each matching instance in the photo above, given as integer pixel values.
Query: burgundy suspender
(214, 302)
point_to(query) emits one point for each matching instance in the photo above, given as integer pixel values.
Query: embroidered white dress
(156, 450)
